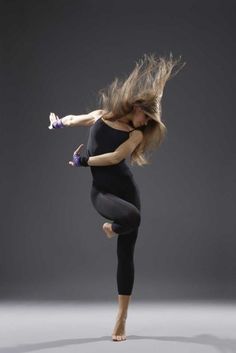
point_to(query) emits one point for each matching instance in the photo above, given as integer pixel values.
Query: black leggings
(124, 213)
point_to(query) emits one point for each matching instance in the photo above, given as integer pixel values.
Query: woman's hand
(55, 122)
(75, 156)
(78, 160)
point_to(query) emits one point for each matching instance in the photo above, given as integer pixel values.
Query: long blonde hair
(143, 87)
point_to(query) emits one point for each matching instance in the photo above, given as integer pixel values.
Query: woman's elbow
(118, 157)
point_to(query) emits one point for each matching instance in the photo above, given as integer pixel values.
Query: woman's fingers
(52, 118)
(78, 149)
(77, 153)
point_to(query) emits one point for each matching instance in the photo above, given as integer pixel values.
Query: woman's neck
(126, 119)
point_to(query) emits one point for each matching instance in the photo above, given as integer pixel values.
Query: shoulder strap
(137, 128)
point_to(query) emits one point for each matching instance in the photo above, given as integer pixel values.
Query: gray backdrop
(55, 56)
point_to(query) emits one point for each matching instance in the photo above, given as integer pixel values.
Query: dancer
(128, 124)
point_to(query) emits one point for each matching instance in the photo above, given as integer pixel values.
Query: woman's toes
(107, 227)
(118, 338)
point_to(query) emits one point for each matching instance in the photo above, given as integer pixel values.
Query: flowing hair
(143, 87)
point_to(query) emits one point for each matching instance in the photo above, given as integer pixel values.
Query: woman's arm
(83, 119)
(105, 159)
(123, 151)
(77, 120)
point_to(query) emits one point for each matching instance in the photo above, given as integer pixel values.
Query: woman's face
(139, 117)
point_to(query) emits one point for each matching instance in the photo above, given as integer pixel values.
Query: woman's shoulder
(136, 134)
(97, 114)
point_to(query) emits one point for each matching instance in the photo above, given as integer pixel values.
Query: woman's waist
(112, 177)
(117, 170)
(119, 179)
(121, 187)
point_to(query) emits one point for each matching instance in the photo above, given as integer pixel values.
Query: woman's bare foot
(108, 230)
(118, 333)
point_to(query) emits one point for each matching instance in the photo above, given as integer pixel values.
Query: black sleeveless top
(103, 139)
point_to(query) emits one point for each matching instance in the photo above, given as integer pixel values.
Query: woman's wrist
(58, 124)
(66, 120)
(84, 161)
(80, 161)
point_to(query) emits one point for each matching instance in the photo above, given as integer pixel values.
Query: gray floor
(86, 327)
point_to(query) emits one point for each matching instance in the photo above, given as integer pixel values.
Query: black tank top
(103, 139)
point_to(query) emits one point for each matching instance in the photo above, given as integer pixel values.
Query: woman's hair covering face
(144, 87)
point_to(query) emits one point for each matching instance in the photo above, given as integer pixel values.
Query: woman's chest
(103, 140)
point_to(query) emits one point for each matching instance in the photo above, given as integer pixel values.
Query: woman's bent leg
(125, 216)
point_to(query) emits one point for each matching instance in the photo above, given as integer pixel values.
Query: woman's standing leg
(125, 249)
(126, 216)
(125, 272)
(125, 266)
(125, 281)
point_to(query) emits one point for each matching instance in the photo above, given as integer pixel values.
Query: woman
(128, 124)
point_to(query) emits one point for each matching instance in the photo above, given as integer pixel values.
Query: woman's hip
(128, 192)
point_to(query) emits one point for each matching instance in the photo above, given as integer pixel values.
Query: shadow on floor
(220, 344)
